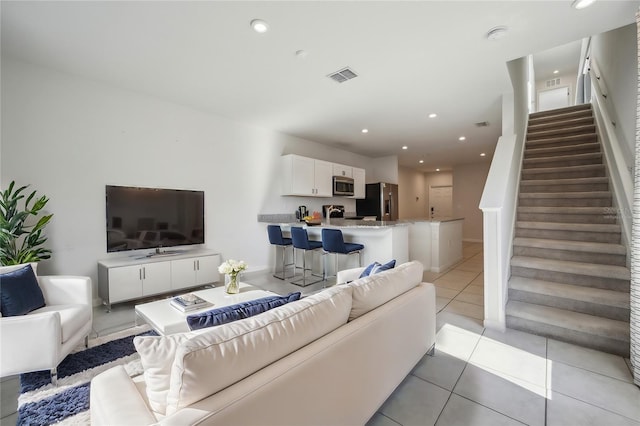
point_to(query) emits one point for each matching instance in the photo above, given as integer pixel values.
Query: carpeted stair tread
(583, 227)
(559, 114)
(555, 150)
(570, 267)
(571, 181)
(586, 156)
(566, 131)
(560, 122)
(581, 246)
(564, 195)
(559, 141)
(561, 111)
(575, 321)
(564, 170)
(617, 299)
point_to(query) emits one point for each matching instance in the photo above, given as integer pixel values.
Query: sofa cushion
(376, 267)
(374, 290)
(220, 356)
(20, 292)
(156, 355)
(239, 311)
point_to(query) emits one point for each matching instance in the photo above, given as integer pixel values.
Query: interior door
(440, 201)
(553, 98)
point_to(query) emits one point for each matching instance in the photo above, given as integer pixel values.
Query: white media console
(129, 278)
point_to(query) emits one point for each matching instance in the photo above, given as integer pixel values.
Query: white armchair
(41, 339)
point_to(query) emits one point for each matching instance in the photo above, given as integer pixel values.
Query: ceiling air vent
(482, 124)
(343, 75)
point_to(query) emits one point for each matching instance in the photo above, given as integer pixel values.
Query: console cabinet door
(207, 270)
(125, 283)
(183, 273)
(156, 278)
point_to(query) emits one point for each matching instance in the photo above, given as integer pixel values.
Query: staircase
(569, 279)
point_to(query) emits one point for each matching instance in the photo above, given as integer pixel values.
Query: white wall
(69, 137)
(412, 196)
(468, 183)
(616, 55)
(382, 169)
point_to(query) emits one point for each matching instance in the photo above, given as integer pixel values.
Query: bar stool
(301, 241)
(333, 243)
(276, 239)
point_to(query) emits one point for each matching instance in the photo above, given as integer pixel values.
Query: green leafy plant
(20, 241)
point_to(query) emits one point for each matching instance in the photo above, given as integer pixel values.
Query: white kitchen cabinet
(129, 278)
(359, 186)
(306, 176)
(192, 272)
(342, 170)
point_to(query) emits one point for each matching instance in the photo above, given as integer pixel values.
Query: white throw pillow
(222, 356)
(157, 354)
(375, 290)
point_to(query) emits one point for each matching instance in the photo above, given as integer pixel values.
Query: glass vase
(232, 284)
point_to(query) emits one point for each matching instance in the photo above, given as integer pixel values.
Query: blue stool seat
(276, 239)
(301, 241)
(333, 243)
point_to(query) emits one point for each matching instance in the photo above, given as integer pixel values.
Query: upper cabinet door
(323, 178)
(298, 176)
(342, 170)
(358, 183)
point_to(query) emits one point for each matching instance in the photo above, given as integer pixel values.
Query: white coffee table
(166, 319)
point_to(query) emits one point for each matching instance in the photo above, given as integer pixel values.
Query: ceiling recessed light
(581, 4)
(482, 154)
(496, 33)
(259, 26)
(301, 54)
(433, 115)
(437, 170)
(462, 138)
(405, 147)
(421, 161)
(556, 71)
(365, 130)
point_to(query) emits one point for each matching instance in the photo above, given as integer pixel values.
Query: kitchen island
(436, 243)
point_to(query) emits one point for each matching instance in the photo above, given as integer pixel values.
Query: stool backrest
(300, 238)
(332, 241)
(275, 235)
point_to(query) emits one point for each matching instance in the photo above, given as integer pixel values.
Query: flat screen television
(143, 218)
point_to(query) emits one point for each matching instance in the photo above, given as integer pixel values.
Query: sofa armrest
(348, 275)
(65, 289)
(115, 400)
(29, 342)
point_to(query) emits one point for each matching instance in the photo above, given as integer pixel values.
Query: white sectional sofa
(331, 358)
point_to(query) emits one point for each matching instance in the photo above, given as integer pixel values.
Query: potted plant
(21, 235)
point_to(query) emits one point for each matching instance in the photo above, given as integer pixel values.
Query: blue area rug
(40, 403)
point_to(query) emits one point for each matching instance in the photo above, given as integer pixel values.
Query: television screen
(142, 218)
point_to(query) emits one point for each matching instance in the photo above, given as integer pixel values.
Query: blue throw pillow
(20, 292)
(376, 267)
(239, 311)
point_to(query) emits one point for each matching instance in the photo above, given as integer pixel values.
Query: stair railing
(619, 161)
(498, 205)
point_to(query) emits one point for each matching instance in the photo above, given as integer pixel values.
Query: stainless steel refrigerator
(381, 201)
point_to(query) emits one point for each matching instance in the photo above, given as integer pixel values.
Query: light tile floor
(477, 376)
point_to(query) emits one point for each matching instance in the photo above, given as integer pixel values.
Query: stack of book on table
(188, 302)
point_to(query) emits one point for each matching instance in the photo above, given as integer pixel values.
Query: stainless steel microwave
(342, 185)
